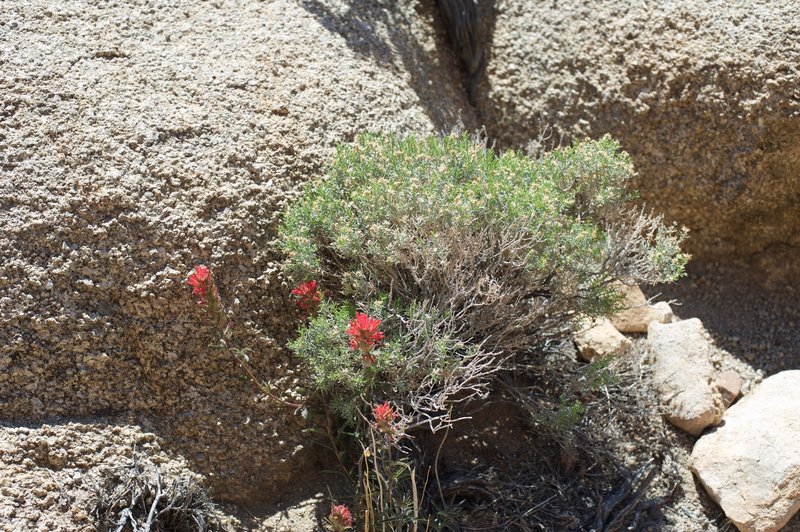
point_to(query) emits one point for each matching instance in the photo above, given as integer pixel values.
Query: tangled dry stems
(133, 498)
(630, 257)
(434, 393)
(568, 479)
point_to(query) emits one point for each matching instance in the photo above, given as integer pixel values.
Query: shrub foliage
(471, 260)
(511, 248)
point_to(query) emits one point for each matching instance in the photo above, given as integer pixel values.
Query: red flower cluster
(205, 291)
(384, 418)
(364, 335)
(308, 297)
(340, 518)
(202, 284)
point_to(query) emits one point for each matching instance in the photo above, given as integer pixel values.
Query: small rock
(750, 464)
(728, 384)
(598, 339)
(638, 313)
(683, 374)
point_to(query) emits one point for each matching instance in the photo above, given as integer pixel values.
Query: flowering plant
(201, 282)
(384, 419)
(364, 335)
(340, 518)
(308, 297)
(207, 296)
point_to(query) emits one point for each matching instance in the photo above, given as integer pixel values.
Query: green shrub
(512, 247)
(420, 364)
(472, 262)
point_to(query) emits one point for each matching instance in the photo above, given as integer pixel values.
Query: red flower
(340, 518)
(364, 335)
(308, 297)
(203, 288)
(201, 283)
(384, 418)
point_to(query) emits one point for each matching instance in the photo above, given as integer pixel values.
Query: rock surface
(139, 139)
(699, 94)
(599, 339)
(304, 515)
(683, 373)
(638, 314)
(750, 464)
(49, 474)
(729, 385)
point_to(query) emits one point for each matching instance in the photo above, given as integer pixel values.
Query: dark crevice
(470, 30)
(463, 22)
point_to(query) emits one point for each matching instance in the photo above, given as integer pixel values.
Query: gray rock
(750, 464)
(683, 373)
(699, 93)
(50, 473)
(139, 139)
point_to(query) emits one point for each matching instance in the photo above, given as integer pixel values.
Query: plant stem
(331, 438)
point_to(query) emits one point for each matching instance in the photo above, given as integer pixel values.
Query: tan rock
(584, 73)
(683, 374)
(104, 213)
(599, 339)
(638, 313)
(729, 385)
(750, 464)
(39, 467)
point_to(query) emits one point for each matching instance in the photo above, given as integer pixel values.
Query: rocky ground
(50, 473)
(138, 139)
(751, 315)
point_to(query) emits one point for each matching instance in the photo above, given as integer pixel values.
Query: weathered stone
(683, 374)
(729, 384)
(637, 313)
(750, 464)
(599, 339)
(40, 465)
(697, 93)
(138, 140)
